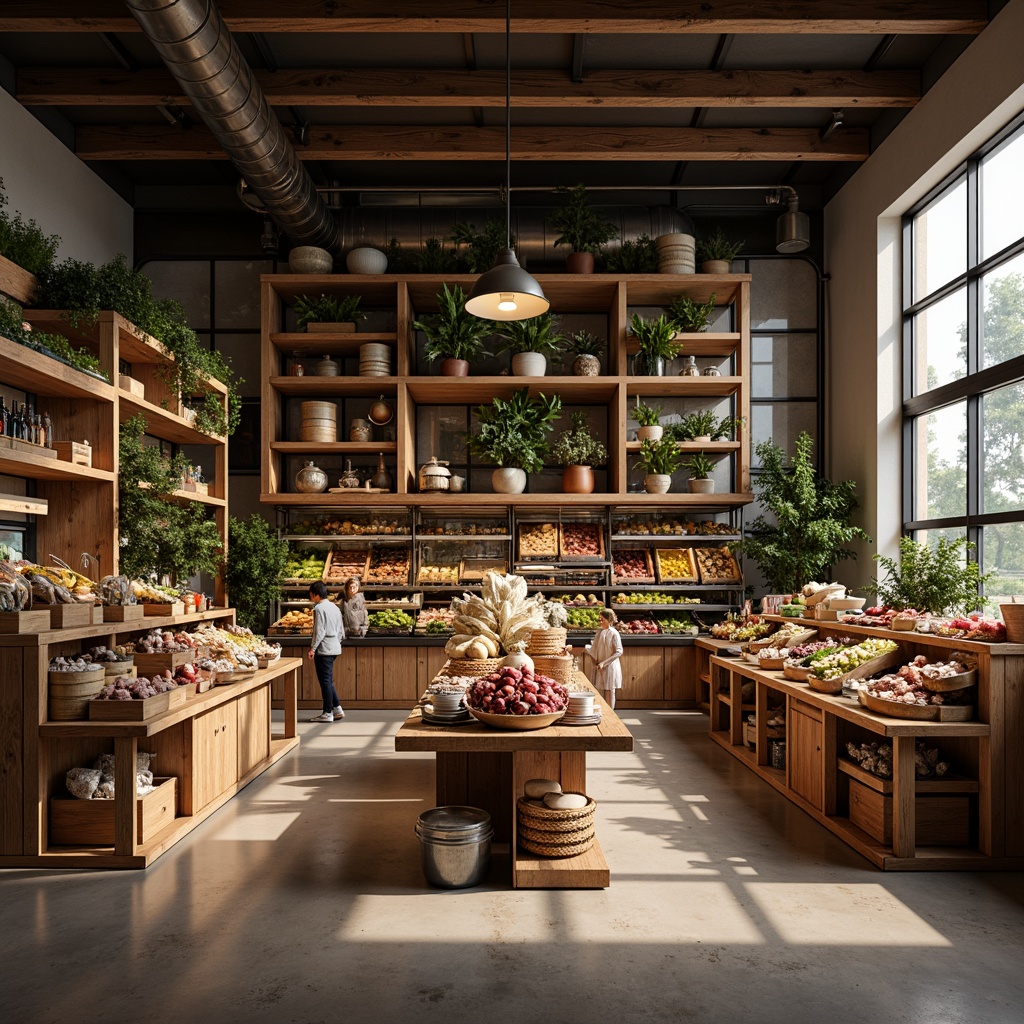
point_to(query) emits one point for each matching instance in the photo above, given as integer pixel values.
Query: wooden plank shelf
(34, 467)
(187, 497)
(333, 447)
(468, 390)
(163, 424)
(309, 387)
(300, 343)
(713, 448)
(704, 345)
(32, 371)
(942, 784)
(692, 502)
(683, 387)
(16, 282)
(26, 506)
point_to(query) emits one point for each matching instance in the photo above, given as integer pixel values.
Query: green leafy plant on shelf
(477, 251)
(655, 338)
(689, 315)
(537, 334)
(704, 423)
(717, 247)
(634, 256)
(452, 332)
(15, 328)
(700, 466)
(660, 457)
(577, 446)
(327, 309)
(23, 242)
(937, 579)
(646, 415)
(578, 225)
(513, 432)
(253, 569)
(805, 519)
(583, 343)
(158, 536)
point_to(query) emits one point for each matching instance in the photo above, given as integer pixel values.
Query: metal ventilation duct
(197, 47)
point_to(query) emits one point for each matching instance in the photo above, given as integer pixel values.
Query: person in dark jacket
(353, 609)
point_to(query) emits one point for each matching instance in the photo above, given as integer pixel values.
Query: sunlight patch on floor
(259, 827)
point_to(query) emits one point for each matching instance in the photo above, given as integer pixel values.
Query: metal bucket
(455, 846)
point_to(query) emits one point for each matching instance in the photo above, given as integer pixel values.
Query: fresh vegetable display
(295, 621)
(500, 617)
(579, 600)
(15, 593)
(388, 565)
(632, 565)
(435, 621)
(581, 540)
(638, 526)
(509, 691)
(309, 567)
(583, 618)
(159, 641)
(391, 620)
(751, 628)
(909, 685)
(831, 665)
(675, 623)
(437, 574)
(802, 653)
(126, 688)
(347, 527)
(973, 627)
(637, 627)
(676, 564)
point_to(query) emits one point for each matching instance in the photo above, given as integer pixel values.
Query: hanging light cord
(508, 124)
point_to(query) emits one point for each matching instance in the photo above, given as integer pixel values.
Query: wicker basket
(549, 641)
(470, 666)
(555, 833)
(557, 667)
(544, 850)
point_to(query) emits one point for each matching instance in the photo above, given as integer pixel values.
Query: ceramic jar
(434, 475)
(350, 478)
(712, 371)
(359, 430)
(691, 369)
(327, 367)
(381, 478)
(311, 479)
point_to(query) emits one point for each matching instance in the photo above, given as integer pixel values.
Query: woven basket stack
(470, 666)
(546, 642)
(555, 666)
(555, 833)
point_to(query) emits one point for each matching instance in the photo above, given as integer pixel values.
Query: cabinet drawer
(91, 822)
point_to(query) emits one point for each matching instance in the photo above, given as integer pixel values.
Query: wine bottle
(40, 433)
(3, 417)
(48, 428)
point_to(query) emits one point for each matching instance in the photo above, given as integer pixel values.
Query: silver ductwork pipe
(195, 44)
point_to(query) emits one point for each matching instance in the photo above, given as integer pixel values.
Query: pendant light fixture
(506, 291)
(793, 228)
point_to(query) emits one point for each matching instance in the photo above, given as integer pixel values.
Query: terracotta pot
(586, 366)
(577, 480)
(650, 433)
(454, 368)
(579, 263)
(657, 483)
(706, 486)
(715, 267)
(508, 480)
(529, 364)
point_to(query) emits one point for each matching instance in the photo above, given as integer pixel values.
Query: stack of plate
(434, 716)
(581, 709)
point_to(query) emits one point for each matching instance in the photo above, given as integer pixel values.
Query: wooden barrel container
(319, 422)
(374, 360)
(70, 693)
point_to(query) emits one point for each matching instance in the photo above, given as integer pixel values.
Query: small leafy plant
(578, 225)
(659, 457)
(327, 309)
(655, 337)
(634, 257)
(700, 466)
(15, 328)
(537, 334)
(646, 415)
(452, 333)
(513, 432)
(583, 343)
(704, 424)
(691, 316)
(576, 446)
(717, 247)
(936, 579)
(23, 242)
(477, 251)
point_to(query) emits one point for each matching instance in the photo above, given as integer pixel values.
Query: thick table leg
(126, 800)
(903, 795)
(291, 703)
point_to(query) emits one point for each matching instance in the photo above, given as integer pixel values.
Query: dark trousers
(324, 665)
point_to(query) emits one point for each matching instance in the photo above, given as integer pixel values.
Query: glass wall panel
(1002, 322)
(1002, 454)
(940, 342)
(1002, 205)
(940, 240)
(940, 440)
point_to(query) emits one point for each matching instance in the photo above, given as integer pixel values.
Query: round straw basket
(554, 667)
(374, 360)
(1013, 616)
(549, 641)
(574, 838)
(540, 816)
(319, 422)
(552, 833)
(70, 693)
(470, 666)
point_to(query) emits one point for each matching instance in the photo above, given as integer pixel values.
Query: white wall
(46, 182)
(976, 97)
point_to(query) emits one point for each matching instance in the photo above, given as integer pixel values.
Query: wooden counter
(488, 768)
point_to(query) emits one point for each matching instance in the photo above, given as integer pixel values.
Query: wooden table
(488, 768)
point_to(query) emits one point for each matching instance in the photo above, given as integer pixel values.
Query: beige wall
(976, 97)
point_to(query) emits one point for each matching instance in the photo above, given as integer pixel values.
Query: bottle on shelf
(48, 428)
(39, 431)
(3, 416)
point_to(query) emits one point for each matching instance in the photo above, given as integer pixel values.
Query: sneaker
(327, 716)
(338, 713)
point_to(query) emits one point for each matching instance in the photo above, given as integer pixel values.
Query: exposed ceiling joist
(965, 17)
(385, 87)
(569, 143)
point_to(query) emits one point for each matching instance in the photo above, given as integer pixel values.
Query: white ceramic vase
(657, 483)
(529, 364)
(508, 480)
(519, 660)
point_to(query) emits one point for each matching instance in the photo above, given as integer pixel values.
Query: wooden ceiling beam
(907, 17)
(392, 87)
(391, 143)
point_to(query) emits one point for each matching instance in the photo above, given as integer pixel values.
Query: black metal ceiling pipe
(195, 44)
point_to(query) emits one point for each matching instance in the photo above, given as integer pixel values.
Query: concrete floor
(302, 901)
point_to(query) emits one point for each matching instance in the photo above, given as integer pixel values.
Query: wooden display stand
(967, 822)
(488, 768)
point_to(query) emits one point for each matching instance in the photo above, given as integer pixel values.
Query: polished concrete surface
(302, 901)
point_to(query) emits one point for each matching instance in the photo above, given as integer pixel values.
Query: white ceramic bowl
(310, 259)
(518, 722)
(846, 604)
(366, 261)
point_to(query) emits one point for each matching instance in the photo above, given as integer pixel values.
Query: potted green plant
(696, 426)
(659, 460)
(513, 435)
(690, 316)
(727, 427)
(937, 579)
(805, 519)
(530, 342)
(715, 253)
(580, 228)
(648, 419)
(657, 344)
(453, 335)
(327, 314)
(253, 569)
(701, 468)
(639, 256)
(586, 347)
(578, 451)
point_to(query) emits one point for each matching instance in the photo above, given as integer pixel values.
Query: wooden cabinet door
(214, 753)
(805, 740)
(681, 674)
(401, 675)
(643, 674)
(253, 729)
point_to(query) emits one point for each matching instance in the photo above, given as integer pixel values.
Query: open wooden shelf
(334, 447)
(684, 387)
(35, 467)
(720, 448)
(301, 343)
(187, 497)
(466, 390)
(703, 345)
(707, 503)
(311, 387)
(28, 370)
(26, 506)
(164, 424)
(16, 282)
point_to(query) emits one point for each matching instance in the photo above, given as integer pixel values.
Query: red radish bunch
(511, 691)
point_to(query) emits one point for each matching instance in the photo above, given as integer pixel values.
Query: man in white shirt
(324, 647)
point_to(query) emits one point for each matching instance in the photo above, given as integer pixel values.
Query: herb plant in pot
(328, 313)
(690, 316)
(715, 253)
(578, 451)
(696, 426)
(453, 335)
(657, 344)
(586, 347)
(648, 418)
(701, 468)
(530, 342)
(583, 230)
(659, 460)
(513, 435)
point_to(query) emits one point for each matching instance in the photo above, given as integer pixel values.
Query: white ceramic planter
(310, 259)
(701, 486)
(366, 261)
(657, 483)
(507, 480)
(650, 433)
(529, 364)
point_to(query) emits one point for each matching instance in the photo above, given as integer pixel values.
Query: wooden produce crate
(676, 565)
(153, 664)
(165, 608)
(940, 819)
(91, 822)
(122, 612)
(27, 447)
(135, 710)
(439, 574)
(36, 621)
(77, 614)
(618, 560)
(74, 452)
(588, 536)
(392, 569)
(538, 541)
(343, 563)
(403, 602)
(472, 569)
(717, 565)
